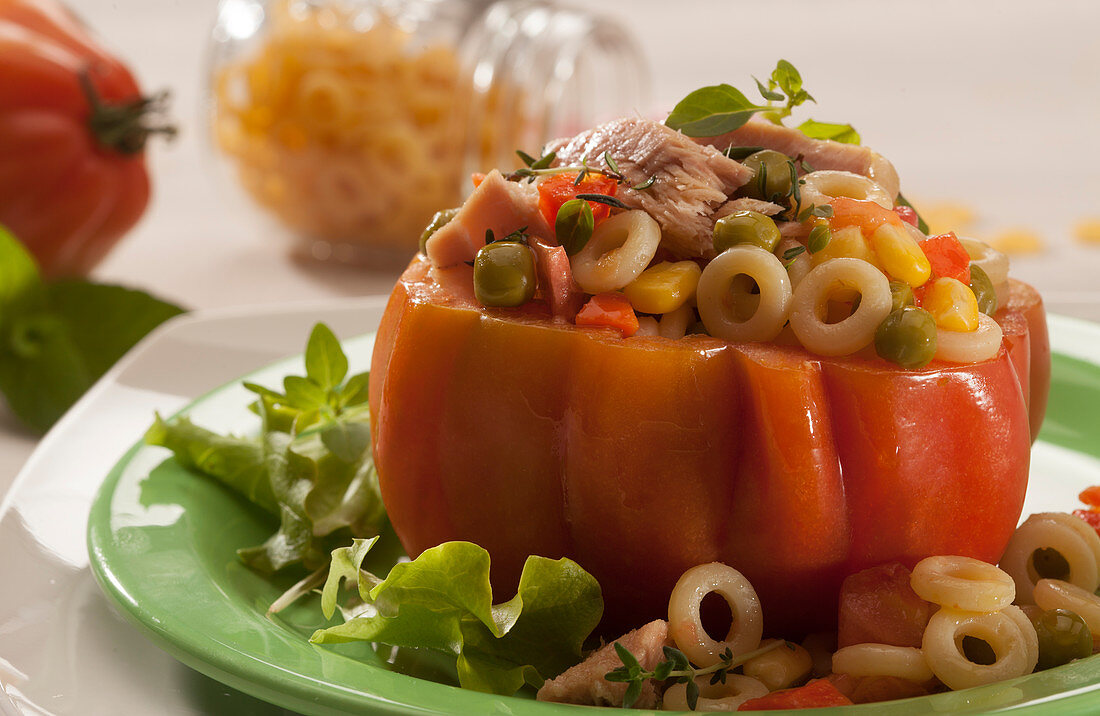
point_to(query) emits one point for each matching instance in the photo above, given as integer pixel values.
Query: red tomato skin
(1091, 517)
(1090, 496)
(819, 693)
(640, 458)
(65, 195)
(557, 189)
(878, 606)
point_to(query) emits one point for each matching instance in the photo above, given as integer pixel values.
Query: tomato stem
(124, 127)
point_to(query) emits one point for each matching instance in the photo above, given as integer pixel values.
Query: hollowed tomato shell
(642, 457)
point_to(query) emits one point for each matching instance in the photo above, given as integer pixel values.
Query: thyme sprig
(677, 668)
(541, 167)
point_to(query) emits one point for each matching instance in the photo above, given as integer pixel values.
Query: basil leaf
(41, 370)
(574, 225)
(768, 94)
(787, 78)
(845, 133)
(356, 391)
(711, 111)
(443, 600)
(304, 393)
(921, 224)
(20, 284)
(326, 364)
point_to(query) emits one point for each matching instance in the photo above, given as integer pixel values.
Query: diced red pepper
(1093, 518)
(476, 178)
(1091, 497)
(557, 189)
(611, 310)
(908, 214)
(818, 693)
(947, 256)
(867, 215)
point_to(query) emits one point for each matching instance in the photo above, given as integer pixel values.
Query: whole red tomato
(640, 458)
(73, 125)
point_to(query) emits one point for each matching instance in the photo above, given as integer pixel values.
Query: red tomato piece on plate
(947, 256)
(611, 310)
(818, 693)
(879, 606)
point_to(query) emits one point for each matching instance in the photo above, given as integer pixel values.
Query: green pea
(504, 274)
(441, 219)
(907, 337)
(983, 290)
(902, 295)
(745, 227)
(574, 225)
(771, 175)
(1063, 637)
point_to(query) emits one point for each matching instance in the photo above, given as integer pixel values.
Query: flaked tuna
(585, 682)
(690, 180)
(747, 203)
(818, 153)
(495, 204)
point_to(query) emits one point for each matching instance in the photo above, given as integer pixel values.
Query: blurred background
(989, 111)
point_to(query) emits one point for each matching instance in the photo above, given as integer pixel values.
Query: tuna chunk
(691, 180)
(496, 204)
(584, 683)
(818, 153)
(747, 203)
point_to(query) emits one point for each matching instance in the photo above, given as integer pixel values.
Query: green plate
(162, 544)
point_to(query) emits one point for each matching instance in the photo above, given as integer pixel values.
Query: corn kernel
(1017, 241)
(846, 243)
(952, 305)
(664, 287)
(900, 255)
(1087, 231)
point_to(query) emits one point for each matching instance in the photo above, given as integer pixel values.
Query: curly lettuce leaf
(443, 600)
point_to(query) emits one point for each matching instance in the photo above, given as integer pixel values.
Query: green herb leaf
(544, 161)
(603, 199)
(711, 111)
(326, 364)
(20, 284)
(819, 238)
(355, 392)
(344, 565)
(845, 133)
(303, 393)
(646, 184)
(442, 600)
(348, 440)
(692, 694)
(767, 93)
(793, 252)
(788, 79)
(610, 162)
(902, 201)
(630, 697)
(574, 225)
(41, 370)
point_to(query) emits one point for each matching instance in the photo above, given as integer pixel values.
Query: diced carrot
(867, 215)
(947, 256)
(611, 310)
(816, 694)
(476, 178)
(1091, 496)
(907, 214)
(557, 189)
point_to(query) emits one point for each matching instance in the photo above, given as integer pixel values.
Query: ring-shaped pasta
(821, 187)
(781, 667)
(942, 647)
(962, 583)
(618, 251)
(903, 662)
(1027, 628)
(674, 324)
(1057, 594)
(810, 302)
(882, 171)
(715, 697)
(715, 299)
(685, 623)
(970, 346)
(799, 266)
(647, 326)
(992, 261)
(1078, 544)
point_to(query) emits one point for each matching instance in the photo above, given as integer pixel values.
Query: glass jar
(354, 121)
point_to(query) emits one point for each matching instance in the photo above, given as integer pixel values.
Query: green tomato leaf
(41, 370)
(20, 283)
(711, 111)
(236, 462)
(845, 133)
(442, 600)
(326, 364)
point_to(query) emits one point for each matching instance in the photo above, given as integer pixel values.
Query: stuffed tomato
(565, 420)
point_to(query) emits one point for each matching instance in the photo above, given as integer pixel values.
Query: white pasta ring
(962, 583)
(685, 622)
(800, 265)
(715, 697)
(1080, 548)
(982, 343)
(992, 261)
(943, 650)
(882, 171)
(821, 187)
(618, 251)
(716, 303)
(1056, 594)
(1031, 637)
(674, 324)
(903, 662)
(810, 301)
